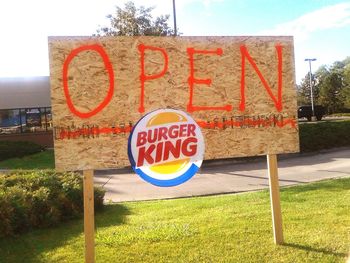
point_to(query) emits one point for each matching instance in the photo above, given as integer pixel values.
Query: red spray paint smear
(247, 122)
(96, 131)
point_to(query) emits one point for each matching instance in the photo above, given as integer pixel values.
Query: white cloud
(308, 44)
(334, 16)
(25, 26)
(166, 6)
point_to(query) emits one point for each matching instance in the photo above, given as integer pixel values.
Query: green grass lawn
(42, 160)
(227, 228)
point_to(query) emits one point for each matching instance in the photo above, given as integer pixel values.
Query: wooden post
(89, 222)
(275, 198)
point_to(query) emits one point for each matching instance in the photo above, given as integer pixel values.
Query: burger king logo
(166, 147)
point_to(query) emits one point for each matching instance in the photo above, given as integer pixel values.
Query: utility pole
(174, 14)
(311, 88)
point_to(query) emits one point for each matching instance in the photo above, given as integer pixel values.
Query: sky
(321, 28)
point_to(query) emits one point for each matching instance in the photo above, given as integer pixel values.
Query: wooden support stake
(89, 222)
(275, 198)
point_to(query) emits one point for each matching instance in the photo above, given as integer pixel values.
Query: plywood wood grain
(100, 140)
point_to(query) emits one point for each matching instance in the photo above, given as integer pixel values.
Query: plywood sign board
(240, 90)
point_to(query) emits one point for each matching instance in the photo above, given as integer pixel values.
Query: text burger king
(166, 147)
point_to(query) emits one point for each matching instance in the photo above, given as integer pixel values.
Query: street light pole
(174, 14)
(311, 88)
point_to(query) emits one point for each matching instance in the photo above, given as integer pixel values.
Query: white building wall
(27, 92)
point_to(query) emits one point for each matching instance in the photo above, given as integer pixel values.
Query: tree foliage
(304, 91)
(135, 21)
(331, 86)
(345, 92)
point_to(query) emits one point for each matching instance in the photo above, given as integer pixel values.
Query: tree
(135, 21)
(345, 92)
(331, 87)
(304, 91)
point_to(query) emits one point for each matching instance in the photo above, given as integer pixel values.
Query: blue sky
(321, 28)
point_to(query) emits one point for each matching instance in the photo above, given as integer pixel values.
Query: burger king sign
(166, 147)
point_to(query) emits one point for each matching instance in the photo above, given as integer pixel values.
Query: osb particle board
(88, 85)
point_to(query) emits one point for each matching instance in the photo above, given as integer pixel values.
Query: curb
(284, 156)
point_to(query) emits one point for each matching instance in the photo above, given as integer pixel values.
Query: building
(25, 110)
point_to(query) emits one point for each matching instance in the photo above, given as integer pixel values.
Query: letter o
(99, 49)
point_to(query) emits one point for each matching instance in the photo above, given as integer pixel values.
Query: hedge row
(36, 199)
(324, 135)
(17, 149)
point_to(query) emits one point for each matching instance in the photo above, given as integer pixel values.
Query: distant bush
(324, 135)
(344, 114)
(35, 199)
(17, 149)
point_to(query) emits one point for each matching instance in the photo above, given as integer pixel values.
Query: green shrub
(35, 199)
(342, 114)
(324, 135)
(17, 149)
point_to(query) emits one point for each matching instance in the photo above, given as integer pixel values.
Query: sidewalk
(124, 185)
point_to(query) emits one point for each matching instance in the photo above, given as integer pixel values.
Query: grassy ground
(229, 228)
(42, 160)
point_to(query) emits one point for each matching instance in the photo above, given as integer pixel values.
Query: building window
(10, 121)
(25, 120)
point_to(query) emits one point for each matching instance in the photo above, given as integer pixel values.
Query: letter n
(245, 55)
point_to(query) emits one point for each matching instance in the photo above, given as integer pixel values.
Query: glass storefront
(25, 120)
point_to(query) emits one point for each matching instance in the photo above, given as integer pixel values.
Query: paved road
(228, 177)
